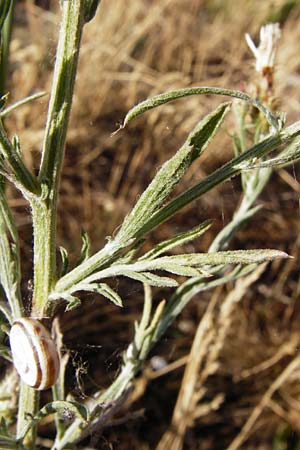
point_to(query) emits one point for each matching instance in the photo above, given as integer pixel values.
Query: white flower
(265, 53)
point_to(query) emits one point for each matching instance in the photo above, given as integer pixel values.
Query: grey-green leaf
(170, 96)
(150, 278)
(9, 109)
(219, 258)
(171, 172)
(178, 239)
(227, 171)
(73, 302)
(64, 261)
(7, 441)
(64, 408)
(103, 289)
(290, 155)
(85, 249)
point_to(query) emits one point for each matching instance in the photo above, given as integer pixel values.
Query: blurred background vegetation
(130, 51)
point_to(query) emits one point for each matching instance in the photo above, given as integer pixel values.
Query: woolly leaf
(63, 408)
(170, 96)
(85, 249)
(73, 302)
(171, 172)
(213, 259)
(178, 239)
(289, 156)
(102, 289)
(7, 441)
(150, 278)
(64, 261)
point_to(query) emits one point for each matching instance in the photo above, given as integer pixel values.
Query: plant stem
(44, 211)
(105, 256)
(231, 169)
(43, 218)
(78, 430)
(44, 207)
(5, 43)
(10, 275)
(28, 407)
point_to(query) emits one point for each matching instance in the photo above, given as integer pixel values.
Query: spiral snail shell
(34, 353)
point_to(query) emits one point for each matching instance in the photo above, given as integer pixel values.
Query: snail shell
(34, 353)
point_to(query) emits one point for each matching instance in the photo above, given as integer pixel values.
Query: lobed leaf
(9, 261)
(226, 172)
(73, 302)
(64, 261)
(191, 265)
(64, 408)
(102, 289)
(7, 441)
(290, 155)
(113, 248)
(85, 249)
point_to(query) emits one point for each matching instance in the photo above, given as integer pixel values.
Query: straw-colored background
(134, 49)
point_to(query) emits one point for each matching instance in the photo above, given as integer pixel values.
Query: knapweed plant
(31, 348)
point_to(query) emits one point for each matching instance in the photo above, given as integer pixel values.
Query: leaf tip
(283, 255)
(121, 127)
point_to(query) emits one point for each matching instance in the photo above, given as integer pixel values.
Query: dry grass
(130, 51)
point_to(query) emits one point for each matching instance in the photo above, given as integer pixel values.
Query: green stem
(44, 255)
(61, 93)
(59, 422)
(10, 275)
(78, 430)
(28, 407)
(232, 168)
(44, 211)
(226, 172)
(97, 261)
(5, 43)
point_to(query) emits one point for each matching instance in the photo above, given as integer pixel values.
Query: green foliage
(175, 241)
(189, 274)
(170, 173)
(7, 441)
(170, 96)
(4, 9)
(90, 9)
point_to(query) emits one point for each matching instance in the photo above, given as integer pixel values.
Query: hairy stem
(44, 210)
(28, 407)
(44, 207)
